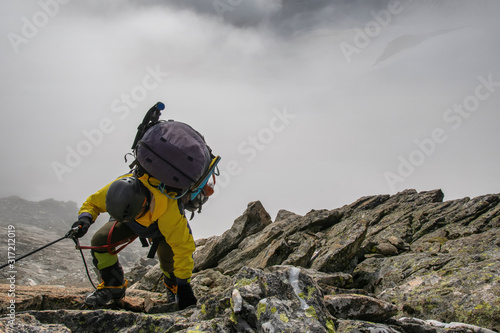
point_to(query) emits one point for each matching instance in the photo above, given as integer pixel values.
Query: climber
(138, 208)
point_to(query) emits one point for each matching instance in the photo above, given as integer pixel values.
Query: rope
(108, 246)
(84, 262)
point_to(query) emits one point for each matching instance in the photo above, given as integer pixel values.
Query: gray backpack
(178, 156)
(174, 153)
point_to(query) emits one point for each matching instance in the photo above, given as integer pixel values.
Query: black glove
(83, 225)
(186, 296)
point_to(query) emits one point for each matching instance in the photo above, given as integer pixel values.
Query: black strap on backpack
(154, 246)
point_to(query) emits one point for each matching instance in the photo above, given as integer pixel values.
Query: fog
(311, 104)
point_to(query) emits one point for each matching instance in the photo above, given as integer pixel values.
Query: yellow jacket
(164, 211)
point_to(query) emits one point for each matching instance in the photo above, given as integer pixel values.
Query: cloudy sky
(311, 104)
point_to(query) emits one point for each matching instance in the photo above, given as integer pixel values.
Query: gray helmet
(126, 198)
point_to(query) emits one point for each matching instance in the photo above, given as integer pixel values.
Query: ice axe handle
(152, 116)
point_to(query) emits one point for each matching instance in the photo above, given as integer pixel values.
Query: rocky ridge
(409, 262)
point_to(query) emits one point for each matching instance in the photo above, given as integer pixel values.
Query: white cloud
(227, 74)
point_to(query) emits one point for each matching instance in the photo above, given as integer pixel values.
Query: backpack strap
(144, 242)
(154, 247)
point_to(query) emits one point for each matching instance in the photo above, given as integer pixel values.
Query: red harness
(111, 248)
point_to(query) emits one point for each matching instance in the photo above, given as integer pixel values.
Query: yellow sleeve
(174, 226)
(95, 203)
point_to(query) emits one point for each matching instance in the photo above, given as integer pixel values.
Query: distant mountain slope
(49, 214)
(39, 223)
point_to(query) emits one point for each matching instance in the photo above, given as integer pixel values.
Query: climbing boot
(171, 285)
(111, 289)
(105, 295)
